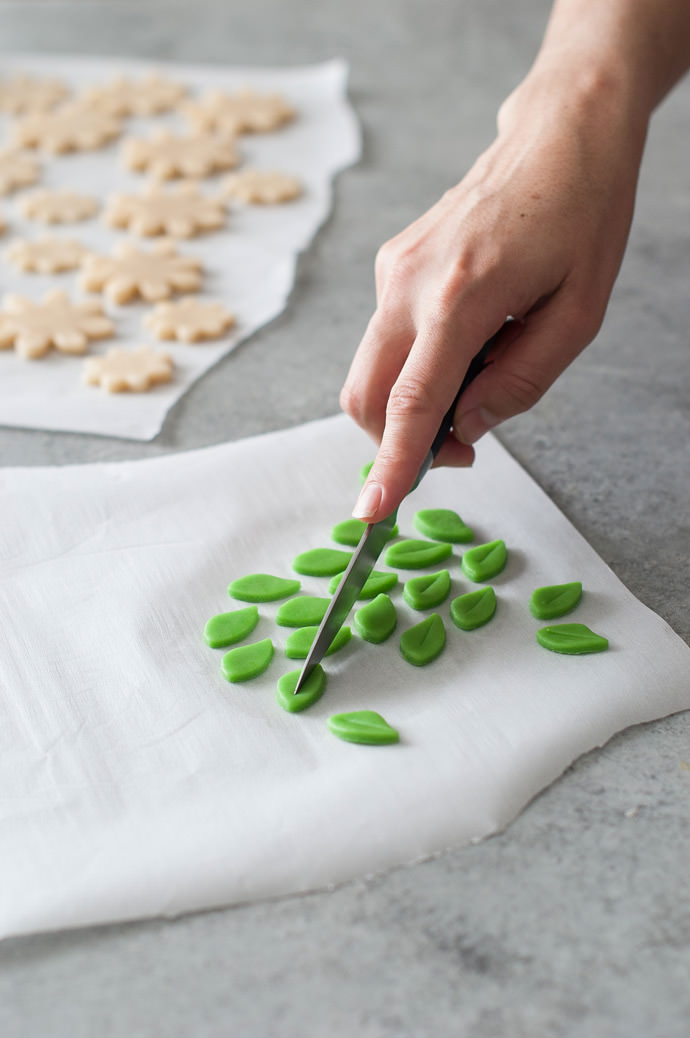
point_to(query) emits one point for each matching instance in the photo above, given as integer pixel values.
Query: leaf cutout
(414, 554)
(262, 587)
(485, 561)
(363, 726)
(473, 609)
(378, 582)
(311, 691)
(321, 562)
(302, 612)
(442, 524)
(428, 591)
(555, 600)
(425, 641)
(350, 531)
(228, 628)
(247, 661)
(299, 642)
(571, 639)
(376, 620)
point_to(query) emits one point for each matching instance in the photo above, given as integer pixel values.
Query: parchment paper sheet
(249, 265)
(135, 781)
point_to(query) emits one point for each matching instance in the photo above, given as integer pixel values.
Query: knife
(374, 538)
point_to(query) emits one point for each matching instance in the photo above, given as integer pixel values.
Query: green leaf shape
(376, 620)
(555, 600)
(262, 587)
(485, 561)
(350, 532)
(425, 641)
(414, 554)
(364, 471)
(474, 609)
(378, 582)
(299, 642)
(321, 562)
(363, 726)
(571, 639)
(228, 628)
(302, 612)
(427, 591)
(310, 692)
(247, 661)
(442, 524)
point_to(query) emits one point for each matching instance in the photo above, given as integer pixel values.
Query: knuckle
(409, 398)
(524, 387)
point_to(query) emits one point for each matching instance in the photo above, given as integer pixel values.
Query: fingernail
(472, 426)
(368, 501)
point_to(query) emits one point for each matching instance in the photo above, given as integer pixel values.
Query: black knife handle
(477, 364)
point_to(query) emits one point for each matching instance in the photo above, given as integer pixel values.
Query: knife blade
(374, 538)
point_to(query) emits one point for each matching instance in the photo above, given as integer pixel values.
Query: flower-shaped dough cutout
(165, 155)
(71, 127)
(262, 187)
(132, 272)
(48, 206)
(16, 170)
(46, 255)
(22, 94)
(181, 212)
(133, 371)
(189, 320)
(244, 112)
(149, 95)
(32, 328)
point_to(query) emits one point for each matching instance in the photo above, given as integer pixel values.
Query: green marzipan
(302, 612)
(376, 620)
(299, 642)
(425, 641)
(262, 587)
(363, 726)
(415, 554)
(228, 628)
(321, 562)
(442, 524)
(474, 609)
(427, 591)
(485, 561)
(311, 691)
(247, 661)
(571, 639)
(555, 600)
(350, 531)
(376, 583)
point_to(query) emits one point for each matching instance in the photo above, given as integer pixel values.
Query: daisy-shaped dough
(133, 371)
(181, 212)
(262, 187)
(58, 206)
(22, 94)
(71, 127)
(149, 95)
(16, 170)
(166, 156)
(131, 272)
(46, 255)
(244, 112)
(32, 328)
(189, 320)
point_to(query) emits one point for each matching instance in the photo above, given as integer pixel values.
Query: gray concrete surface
(576, 921)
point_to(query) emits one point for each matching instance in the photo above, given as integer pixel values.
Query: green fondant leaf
(302, 612)
(376, 620)
(363, 726)
(485, 561)
(425, 641)
(571, 639)
(473, 609)
(442, 524)
(228, 628)
(414, 554)
(350, 532)
(299, 642)
(555, 600)
(247, 661)
(312, 689)
(321, 562)
(377, 582)
(427, 591)
(262, 587)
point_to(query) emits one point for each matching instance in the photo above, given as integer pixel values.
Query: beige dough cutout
(57, 206)
(165, 155)
(263, 187)
(71, 127)
(181, 212)
(189, 320)
(243, 112)
(22, 94)
(46, 255)
(150, 95)
(32, 328)
(133, 371)
(131, 272)
(16, 170)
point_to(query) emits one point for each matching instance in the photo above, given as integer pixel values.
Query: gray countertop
(576, 921)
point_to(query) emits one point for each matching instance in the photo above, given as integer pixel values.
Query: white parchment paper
(135, 781)
(249, 265)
